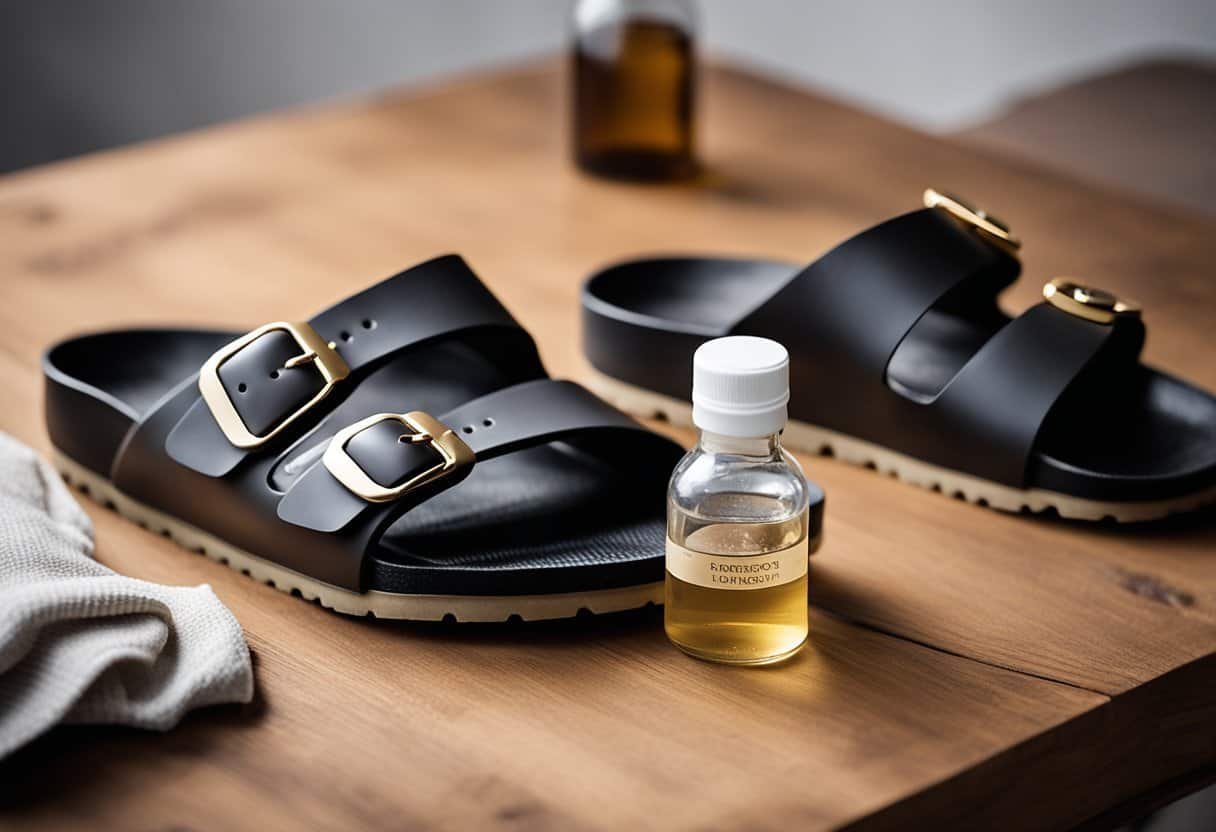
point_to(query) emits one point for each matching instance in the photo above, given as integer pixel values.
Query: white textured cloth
(80, 643)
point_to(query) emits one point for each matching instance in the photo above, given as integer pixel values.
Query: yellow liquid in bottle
(739, 592)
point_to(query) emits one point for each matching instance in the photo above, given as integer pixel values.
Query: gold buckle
(314, 350)
(423, 427)
(992, 229)
(1088, 302)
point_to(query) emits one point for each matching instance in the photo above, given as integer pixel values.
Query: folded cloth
(80, 643)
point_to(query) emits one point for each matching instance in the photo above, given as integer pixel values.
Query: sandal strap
(992, 411)
(862, 297)
(269, 384)
(522, 416)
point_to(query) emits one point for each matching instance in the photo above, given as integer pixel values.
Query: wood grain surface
(966, 668)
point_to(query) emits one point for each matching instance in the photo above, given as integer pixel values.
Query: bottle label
(737, 571)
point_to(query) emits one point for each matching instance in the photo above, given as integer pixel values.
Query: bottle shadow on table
(755, 181)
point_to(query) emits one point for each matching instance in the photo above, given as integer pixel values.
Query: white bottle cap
(740, 386)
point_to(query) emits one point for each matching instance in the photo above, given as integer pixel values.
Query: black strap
(441, 298)
(862, 297)
(522, 416)
(992, 411)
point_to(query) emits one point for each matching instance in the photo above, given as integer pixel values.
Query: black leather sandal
(305, 455)
(902, 360)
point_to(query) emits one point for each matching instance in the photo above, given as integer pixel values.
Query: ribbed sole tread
(397, 606)
(813, 439)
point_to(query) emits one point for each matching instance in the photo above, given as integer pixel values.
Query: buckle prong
(421, 427)
(315, 351)
(300, 360)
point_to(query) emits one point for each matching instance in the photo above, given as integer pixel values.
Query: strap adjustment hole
(369, 323)
(242, 387)
(467, 429)
(489, 423)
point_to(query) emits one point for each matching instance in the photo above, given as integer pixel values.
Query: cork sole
(466, 608)
(808, 437)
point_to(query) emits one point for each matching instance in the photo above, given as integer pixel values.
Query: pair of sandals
(404, 454)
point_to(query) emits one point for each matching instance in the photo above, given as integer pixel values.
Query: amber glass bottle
(634, 82)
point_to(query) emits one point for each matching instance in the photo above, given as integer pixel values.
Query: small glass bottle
(741, 516)
(634, 78)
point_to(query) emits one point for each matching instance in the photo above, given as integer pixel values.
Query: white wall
(75, 75)
(944, 63)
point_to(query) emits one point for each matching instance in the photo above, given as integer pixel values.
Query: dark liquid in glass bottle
(633, 100)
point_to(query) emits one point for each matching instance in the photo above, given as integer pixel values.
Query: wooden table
(967, 667)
